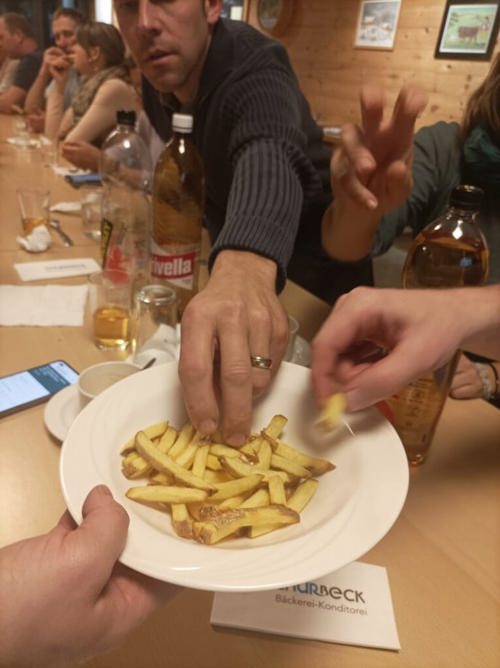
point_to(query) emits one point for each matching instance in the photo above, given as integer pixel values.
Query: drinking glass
(110, 309)
(155, 322)
(91, 214)
(34, 208)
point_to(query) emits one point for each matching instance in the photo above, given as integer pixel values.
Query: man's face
(169, 40)
(9, 40)
(64, 30)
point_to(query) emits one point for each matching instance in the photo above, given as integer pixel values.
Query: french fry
(226, 523)
(182, 520)
(166, 494)
(332, 411)
(316, 465)
(166, 464)
(200, 460)
(235, 487)
(302, 495)
(283, 464)
(213, 491)
(152, 432)
(134, 466)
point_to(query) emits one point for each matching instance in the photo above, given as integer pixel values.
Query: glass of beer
(34, 208)
(110, 309)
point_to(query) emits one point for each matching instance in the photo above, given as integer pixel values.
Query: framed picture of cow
(468, 30)
(377, 24)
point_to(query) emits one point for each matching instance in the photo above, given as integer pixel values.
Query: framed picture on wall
(377, 24)
(468, 30)
(234, 9)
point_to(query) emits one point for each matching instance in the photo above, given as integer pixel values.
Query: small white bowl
(97, 378)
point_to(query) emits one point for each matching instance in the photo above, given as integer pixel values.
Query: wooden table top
(442, 554)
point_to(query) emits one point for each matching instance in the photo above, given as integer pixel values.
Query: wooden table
(442, 555)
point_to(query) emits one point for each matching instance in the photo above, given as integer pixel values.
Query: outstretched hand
(64, 597)
(373, 165)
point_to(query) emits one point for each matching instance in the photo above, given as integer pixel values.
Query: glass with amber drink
(34, 208)
(110, 309)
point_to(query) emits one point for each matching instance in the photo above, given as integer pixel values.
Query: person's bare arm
(13, 96)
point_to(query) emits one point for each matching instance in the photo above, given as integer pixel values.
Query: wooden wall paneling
(331, 71)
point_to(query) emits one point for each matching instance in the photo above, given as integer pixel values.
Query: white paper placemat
(35, 271)
(352, 606)
(44, 305)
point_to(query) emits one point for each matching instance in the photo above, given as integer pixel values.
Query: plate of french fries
(294, 503)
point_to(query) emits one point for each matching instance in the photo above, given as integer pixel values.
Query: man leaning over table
(64, 26)
(18, 41)
(267, 187)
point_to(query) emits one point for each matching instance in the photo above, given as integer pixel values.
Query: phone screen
(78, 180)
(32, 386)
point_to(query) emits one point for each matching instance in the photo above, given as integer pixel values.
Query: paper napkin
(35, 271)
(49, 305)
(352, 606)
(67, 207)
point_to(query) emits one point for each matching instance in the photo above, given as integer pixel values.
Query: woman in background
(105, 87)
(385, 184)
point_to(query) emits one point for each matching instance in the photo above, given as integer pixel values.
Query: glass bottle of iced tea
(450, 252)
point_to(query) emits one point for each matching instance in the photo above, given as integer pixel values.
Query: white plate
(61, 410)
(354, 507)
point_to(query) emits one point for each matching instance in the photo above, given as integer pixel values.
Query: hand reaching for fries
(214, 491)
(64, 598)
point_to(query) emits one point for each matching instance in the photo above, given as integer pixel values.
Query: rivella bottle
(178, 206)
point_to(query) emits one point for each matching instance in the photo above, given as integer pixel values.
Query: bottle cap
(466, 197)
(182, 122)
(124, 117)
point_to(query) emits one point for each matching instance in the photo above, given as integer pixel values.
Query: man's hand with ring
(237, 316)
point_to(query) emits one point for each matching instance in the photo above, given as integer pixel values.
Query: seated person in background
(377, 194)
(8, 69)
(18, 41)
(405, 325)
(65, 22)
(444, 155)
(105, 87)
(64, 596)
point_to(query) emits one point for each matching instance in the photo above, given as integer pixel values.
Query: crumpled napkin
(67, 207)
(37, 241)
(163, 346)
(44, 305)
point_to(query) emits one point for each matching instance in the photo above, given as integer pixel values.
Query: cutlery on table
(56, 225)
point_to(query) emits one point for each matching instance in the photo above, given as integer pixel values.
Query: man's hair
(483, 106)
(73, 14)
(19, 22)
(105, 36)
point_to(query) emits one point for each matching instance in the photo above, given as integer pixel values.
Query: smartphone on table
(79, 180)
(34, 386)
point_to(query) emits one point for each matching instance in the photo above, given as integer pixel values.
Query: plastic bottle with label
(178, 206)
(450, 252)
(126, 208)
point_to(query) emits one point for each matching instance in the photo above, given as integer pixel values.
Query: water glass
(155, 322)
(91, 214)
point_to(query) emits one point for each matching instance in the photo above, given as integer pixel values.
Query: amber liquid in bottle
(178, 205)
(449, 253)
